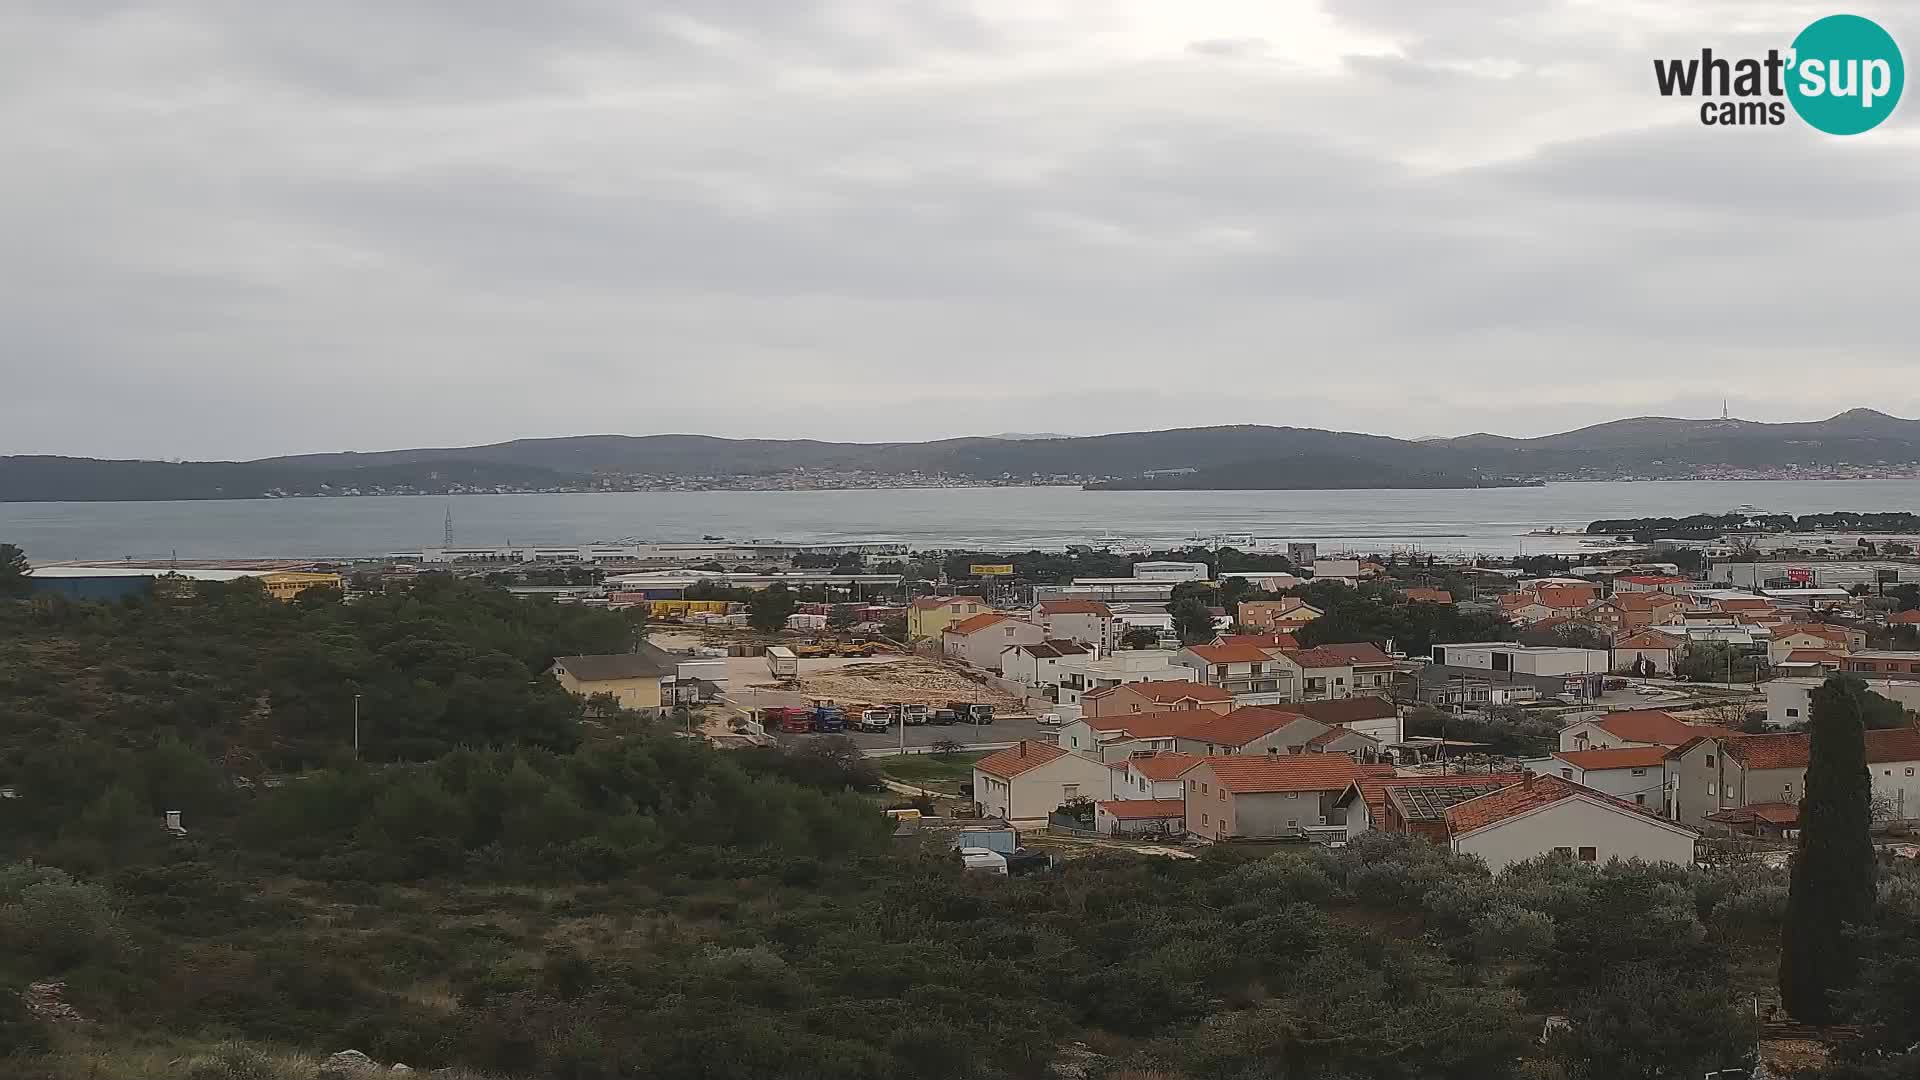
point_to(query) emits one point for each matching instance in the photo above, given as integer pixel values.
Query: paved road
(999, 733)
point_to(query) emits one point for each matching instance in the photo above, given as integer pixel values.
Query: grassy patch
(929, 770)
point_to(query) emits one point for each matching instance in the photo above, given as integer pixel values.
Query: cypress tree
(1833, 869)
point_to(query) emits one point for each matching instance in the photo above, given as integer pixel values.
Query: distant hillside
(1228, 457)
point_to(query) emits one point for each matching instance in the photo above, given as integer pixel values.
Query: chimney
(1023, 748)
(173, 823)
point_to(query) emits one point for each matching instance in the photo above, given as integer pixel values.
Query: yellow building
(632, 679)
(287, 584)
(929, 616)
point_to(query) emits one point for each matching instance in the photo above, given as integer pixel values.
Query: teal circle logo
(1846, 75)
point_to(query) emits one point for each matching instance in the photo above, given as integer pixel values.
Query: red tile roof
(929, 603)
(1755, 603)
(1162, 766)
(1427, 596)
(1789, 750)
(1786, 815)
(1161, 691)
(1229, 654)
(1260, 773)
(1652, 726)
(1153, 725)
(1145, 809)
(1259, 641)
(1023, 757)
(1813, 656)
(1358, 652)
(976, 622)
(1075, 607)
(1531, 793)
(1334, 735)
(1653, 579)
(1624, 757)
(1325, 656)
(1643, 601)
(1835, 634)
(1342, 711)
(1904, 618)
(1242, 726)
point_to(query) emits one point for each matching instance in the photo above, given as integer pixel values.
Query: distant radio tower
(449, 536)
(1723, 414)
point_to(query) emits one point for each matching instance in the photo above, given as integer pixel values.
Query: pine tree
(1833, 871)
(13, 571)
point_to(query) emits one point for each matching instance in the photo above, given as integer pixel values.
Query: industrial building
(109, 583)
(625, 552)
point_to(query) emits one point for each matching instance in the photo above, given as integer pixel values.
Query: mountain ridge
(1221, 457)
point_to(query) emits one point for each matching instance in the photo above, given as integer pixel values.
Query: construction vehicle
(858, 648)
(789, 720)
(875, 721)
(829, 720)
(972, 712)
(812, 650)
(914, 715)
(782, 663)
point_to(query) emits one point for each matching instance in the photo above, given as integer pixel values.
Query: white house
(1347, 570)
(1150, 776)
(1548, 815)
(1632, 727)
(978, 641)
(1025, 782)
(1635, 774)
(1045, 663)
(1120, 669)
(1790, 701)
(1088, 622)
(1648, 646)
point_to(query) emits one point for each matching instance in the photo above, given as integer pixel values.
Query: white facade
(1269, 580)
(1523, 659)
(1125, 666)
(1581, 828)
(1790, 702)
(1129, 783)
(1095, 631)
(1347, 570)
(1034, 794)
(982, 647)
(1642, 785)
(1170, 571)
(1017, 664)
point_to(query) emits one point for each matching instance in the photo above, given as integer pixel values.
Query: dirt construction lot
(891, 680)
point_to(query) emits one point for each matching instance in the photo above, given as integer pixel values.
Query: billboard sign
(992, 569)
(1799, 575)
(1886, 577)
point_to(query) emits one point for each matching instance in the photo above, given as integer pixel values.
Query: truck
(829, 720)
(972, 712)
(914, 715)
(781, 663)
(789, 720)
(875, 721)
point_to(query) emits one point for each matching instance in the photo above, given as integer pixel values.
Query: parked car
(982, 860)
(943, 717)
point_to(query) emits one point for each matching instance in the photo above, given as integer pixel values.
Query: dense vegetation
(536, 902)
(230, 672)
(1711, 525)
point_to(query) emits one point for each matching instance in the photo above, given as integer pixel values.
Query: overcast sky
(236, 228)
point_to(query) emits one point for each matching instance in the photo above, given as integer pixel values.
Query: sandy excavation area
(904, 681)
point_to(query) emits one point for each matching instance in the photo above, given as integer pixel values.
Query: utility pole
(356, 727)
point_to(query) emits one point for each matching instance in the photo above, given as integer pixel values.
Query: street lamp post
(356, 727)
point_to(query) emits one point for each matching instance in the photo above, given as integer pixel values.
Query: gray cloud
(239, 229)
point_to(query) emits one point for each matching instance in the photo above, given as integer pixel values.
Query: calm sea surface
(1491, 521)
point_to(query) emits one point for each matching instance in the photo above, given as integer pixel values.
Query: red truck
(789, 720)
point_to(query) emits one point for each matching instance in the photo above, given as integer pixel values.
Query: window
(1276, 750)
(1203, 819)
(1293, 823)
(1709, 788)
(1639, 772)
(1709, 761)
(1793, 712)
(1640, 799)
(1588, 854)
(1566, 774)
(1909, 770)
(1563, 852)
(1223, 794)
(1069, 791)
(1203, 789)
